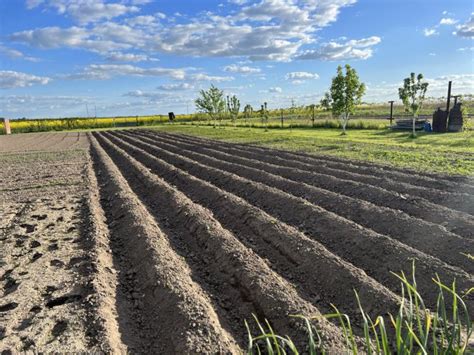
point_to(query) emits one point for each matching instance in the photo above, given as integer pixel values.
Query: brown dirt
(144, 242)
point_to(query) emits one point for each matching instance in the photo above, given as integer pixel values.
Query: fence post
(6, 126)
(391, 111)
(281, 113)
(312, 118)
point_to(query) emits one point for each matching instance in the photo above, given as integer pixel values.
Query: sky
(70, 58)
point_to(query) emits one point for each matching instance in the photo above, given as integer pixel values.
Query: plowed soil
(145, 242)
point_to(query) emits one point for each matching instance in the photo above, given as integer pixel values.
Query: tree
(233, 106)
(264, 115)
(344, 95)
(211, 102)
(248, 111)
(413, 95)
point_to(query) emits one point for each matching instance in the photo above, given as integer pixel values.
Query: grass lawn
(451, 153)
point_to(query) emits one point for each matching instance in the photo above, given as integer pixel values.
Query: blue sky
(133, 57)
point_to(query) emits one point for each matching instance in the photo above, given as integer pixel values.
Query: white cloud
(16, 54)
(266, 30)
(128, 57)
(13, 79)
(206, 77)
(353, 49)
(176, 87)
(273, 89)
(428, 32)
(466, 49)
(107, 71)
(234, 68)
(300, 77)
(84, 11)
(448, 21)
(466, 29)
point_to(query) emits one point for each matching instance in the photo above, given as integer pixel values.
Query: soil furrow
(435, 180)
(461, 201)
(456, 222)
(356, 244)
(429, 238)
(167, 311)
(293, 254)
(242, 281)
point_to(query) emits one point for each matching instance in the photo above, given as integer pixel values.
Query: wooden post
(6, 126)
(281, 113)
(312, 119)
(391, 111)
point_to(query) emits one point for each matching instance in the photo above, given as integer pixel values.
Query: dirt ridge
(430, 238)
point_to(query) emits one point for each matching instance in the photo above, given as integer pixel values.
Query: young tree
(233, 106)
(211, 102)
(248, 111)
(413, 95)
(264, 115)
(344, 95)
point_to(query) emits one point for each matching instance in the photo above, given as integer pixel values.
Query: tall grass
(415, 329)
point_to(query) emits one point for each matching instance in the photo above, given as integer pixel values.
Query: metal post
(449, 97)
(391, 111)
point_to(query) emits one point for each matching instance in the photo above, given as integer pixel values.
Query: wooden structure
(440, 120)
(455, 121)
(6, 126)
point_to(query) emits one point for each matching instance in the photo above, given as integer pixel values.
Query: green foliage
(211, 102)
(415, 329)
(248, 111)
(233, 105)
(413, 95)
(345, 94)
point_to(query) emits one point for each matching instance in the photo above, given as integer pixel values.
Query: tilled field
(184, 238)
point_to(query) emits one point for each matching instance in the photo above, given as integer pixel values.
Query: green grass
(415, 329)
(450, 153)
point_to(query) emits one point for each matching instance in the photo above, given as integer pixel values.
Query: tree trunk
(414, 120)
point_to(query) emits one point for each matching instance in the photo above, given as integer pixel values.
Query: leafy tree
(248, 111)
(413, 95)
(264, 115)
(211, 102)
(233, 106)
(344, 95)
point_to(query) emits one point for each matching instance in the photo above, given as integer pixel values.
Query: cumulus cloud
(242, 69)
(300, 77)
(264, 30)
(428, 32)
(447, 21)
(84, 11)
(176, 87)
(13, 79)
(466, 29)
(353, 49)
